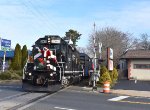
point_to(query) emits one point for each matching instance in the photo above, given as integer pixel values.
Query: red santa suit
(48, 55)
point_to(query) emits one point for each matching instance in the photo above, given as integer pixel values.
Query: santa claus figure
(49, 58)
(46, 53)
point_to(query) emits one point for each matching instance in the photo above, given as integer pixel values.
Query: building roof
(136, 54)
(9, 54)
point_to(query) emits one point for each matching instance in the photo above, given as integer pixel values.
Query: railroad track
(23, 100)
(17, 101)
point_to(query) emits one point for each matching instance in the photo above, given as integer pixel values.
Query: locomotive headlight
(30, 74)
(49, 40)
(51, 74)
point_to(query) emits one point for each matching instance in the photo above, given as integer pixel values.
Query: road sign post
(5, 46)
(4, 61)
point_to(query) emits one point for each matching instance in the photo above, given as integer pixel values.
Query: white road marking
(64, 108)
(118, 98)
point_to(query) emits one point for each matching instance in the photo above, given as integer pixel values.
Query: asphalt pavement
(132, 85)
(75, 97)
(122, 87)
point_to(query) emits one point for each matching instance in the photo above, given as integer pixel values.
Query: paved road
(72, 98)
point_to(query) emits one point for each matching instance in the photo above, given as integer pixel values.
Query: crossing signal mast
(95, 65)
(96, 73)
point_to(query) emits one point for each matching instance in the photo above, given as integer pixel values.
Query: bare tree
(83, 50)
(113, 38)
(143, 42)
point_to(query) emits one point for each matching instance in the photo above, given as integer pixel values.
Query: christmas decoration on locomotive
(54, 63)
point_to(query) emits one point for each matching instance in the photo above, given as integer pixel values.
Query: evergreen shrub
(114, 76)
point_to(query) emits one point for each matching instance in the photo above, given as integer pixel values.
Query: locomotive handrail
(61, 69)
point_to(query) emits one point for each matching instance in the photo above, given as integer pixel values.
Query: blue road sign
(5, 44)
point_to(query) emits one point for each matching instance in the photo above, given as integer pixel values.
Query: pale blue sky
(24, 21)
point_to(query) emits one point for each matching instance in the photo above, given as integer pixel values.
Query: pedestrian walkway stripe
(118, 98)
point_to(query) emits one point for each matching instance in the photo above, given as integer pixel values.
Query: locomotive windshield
(54, 46)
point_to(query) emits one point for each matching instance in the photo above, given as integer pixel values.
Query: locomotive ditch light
(51, 74)
(30, 74)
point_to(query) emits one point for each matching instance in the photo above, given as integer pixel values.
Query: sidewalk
(125, 87)
(134, 93)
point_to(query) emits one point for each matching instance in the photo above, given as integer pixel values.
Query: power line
(26, 6)
(34, 13)
(44, 17)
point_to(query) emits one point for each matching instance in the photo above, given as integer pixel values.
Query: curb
(90, 89)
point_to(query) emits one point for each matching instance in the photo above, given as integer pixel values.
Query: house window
(141, 66)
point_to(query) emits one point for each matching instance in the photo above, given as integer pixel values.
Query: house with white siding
(135, 64)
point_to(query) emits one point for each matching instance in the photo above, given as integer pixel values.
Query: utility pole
(95, 58)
